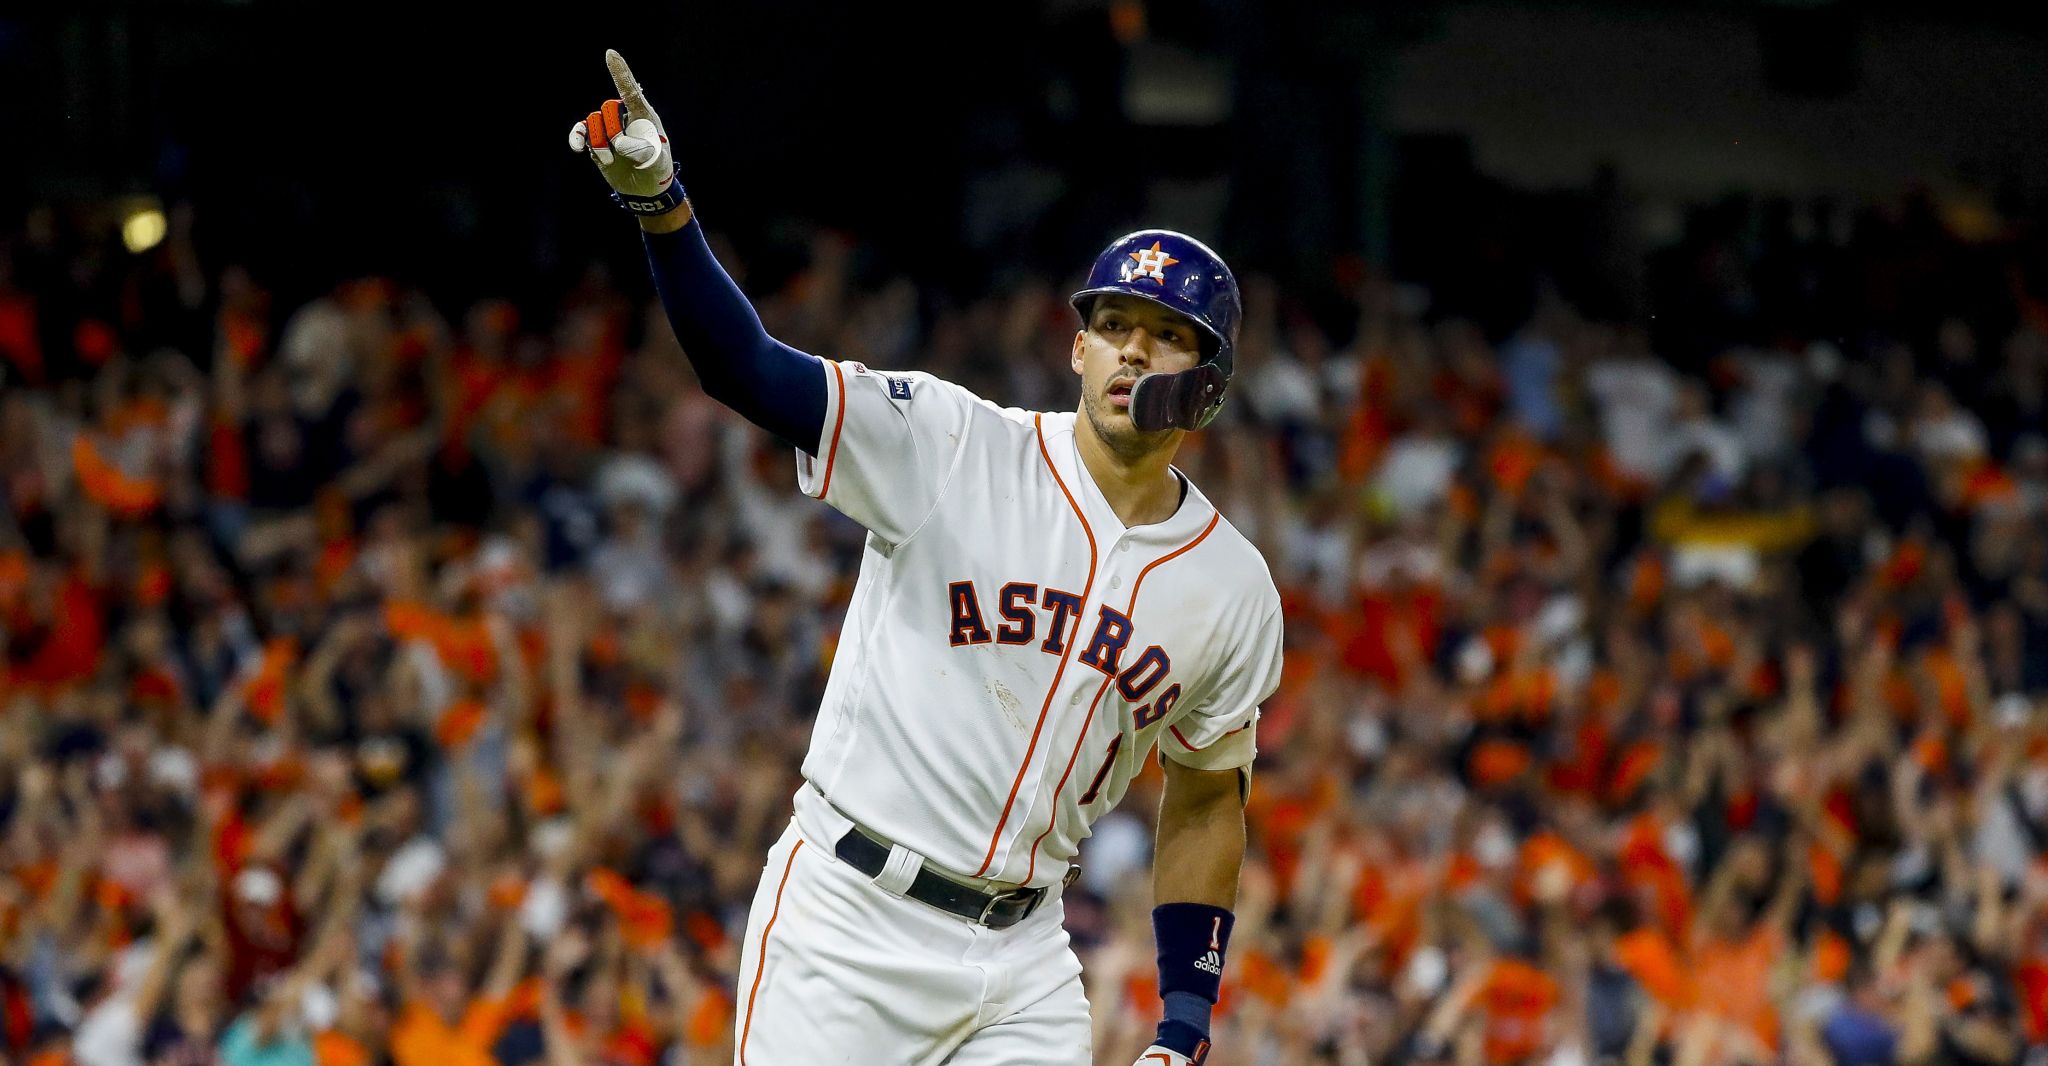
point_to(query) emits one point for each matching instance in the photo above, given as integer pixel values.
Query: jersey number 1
(1108, 760)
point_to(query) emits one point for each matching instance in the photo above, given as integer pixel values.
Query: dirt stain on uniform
(1008, 701)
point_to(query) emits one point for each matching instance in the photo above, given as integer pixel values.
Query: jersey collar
(1188, 519)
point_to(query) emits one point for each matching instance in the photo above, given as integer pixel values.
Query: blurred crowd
(390, 683)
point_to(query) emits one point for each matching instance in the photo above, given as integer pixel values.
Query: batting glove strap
(660, 203)
(1190, 1043)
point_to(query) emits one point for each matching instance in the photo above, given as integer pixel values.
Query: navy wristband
(1184, 1038)
(659, 204)
(1192, 939)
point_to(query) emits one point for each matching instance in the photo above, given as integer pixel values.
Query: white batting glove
(1159, 1056)
(627, 141)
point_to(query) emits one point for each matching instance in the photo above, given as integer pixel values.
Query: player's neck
(1140, 490)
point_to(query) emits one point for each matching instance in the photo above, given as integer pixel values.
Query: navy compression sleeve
(769, 383)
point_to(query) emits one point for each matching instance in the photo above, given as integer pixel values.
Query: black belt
(997, 910)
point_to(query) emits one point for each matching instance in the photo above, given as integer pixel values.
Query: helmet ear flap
(1187, 400)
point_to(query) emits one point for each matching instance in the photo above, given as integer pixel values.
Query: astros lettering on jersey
(1012, 651)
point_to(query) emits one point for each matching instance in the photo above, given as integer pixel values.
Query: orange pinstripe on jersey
(761, 956)
(1175, 730)
(1053, 688)
(1130, 612)
(837, 424)
(1056, 789)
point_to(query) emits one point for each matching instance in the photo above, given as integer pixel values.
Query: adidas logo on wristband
(1210, 963)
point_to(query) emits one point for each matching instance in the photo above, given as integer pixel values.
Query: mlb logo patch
(899, 388)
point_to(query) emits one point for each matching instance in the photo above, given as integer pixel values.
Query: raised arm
(772, 385)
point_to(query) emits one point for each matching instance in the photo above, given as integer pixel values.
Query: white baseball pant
(837, 970)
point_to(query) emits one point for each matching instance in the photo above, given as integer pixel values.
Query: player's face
(1127, 337)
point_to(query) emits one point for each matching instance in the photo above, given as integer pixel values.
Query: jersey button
(1116, 582)
(1123, 546)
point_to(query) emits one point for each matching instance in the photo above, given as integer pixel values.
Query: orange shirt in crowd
(1733, 979)
(422, 1038)
(710, 1020)
(1540, 855)
(1517, 999)
(2032, 978)
(1281, 819)
(77, 636)
(1384, 617)
(20, 339)
(1650, 957)
(332, 1047)
(1389, 900)
(1648, 868)
(1581, 768)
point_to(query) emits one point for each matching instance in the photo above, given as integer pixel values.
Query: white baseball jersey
(1012, 651)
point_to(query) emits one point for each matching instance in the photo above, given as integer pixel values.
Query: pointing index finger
(629, 89)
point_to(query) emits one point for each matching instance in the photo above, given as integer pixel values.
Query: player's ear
(1079, 336)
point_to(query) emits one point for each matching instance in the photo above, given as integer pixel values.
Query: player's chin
(1125, 437)
(1117, 422)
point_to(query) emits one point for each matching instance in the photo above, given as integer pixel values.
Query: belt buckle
(1037, 897)
(989, 908)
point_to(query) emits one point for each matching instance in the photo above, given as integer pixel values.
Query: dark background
(316, 138)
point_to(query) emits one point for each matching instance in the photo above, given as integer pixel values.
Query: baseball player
(1042, 600)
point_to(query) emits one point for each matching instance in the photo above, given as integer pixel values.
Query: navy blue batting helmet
(1181, 274)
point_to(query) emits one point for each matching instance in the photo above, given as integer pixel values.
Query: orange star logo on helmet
(1152, 264)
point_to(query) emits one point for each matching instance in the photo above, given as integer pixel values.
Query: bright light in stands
(143, 228)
